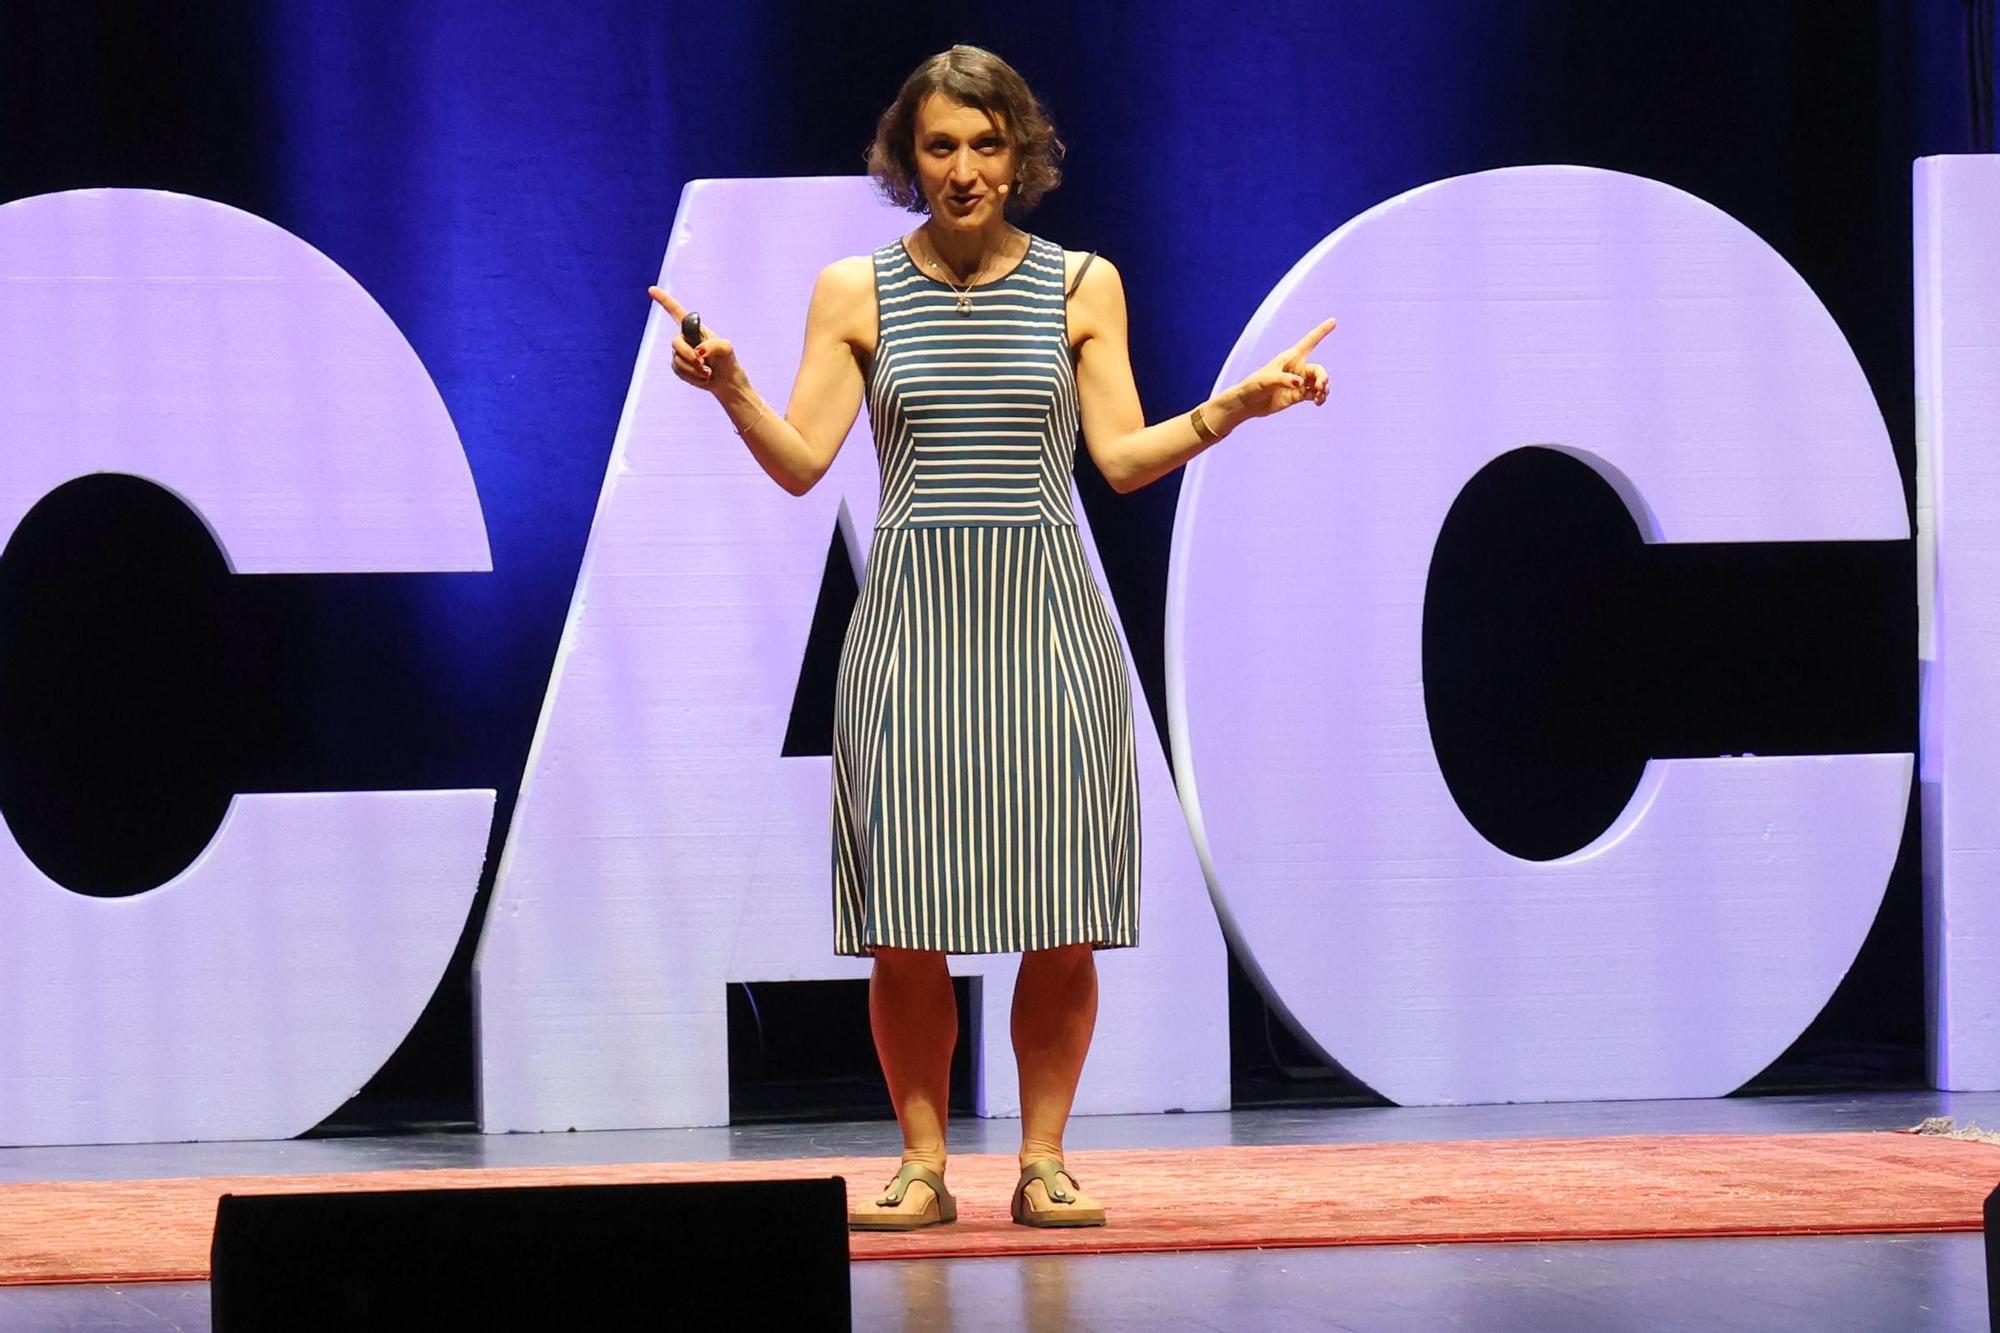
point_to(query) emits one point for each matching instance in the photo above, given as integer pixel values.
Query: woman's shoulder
(1099, 274)
(846, 283)
(849, 274)
(843, 298)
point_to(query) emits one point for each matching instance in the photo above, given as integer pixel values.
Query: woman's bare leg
(914, 1014)
(1055, 1012)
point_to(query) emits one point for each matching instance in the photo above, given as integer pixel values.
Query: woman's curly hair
(975, 77)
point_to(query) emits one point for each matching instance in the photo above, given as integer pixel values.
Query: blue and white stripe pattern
(985, 788)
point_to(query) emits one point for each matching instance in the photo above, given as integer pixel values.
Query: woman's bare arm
(1126, 450)
(795, 447)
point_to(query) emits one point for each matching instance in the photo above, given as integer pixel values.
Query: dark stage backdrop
(501, 176)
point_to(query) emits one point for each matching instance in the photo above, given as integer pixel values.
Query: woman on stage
(985, 790)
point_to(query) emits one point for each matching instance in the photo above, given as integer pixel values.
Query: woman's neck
(971, 256)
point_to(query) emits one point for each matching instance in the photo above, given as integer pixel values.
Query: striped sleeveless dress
(985, 787)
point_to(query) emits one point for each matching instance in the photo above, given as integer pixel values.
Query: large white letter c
(1662, 342)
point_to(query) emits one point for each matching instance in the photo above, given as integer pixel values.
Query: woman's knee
(1062, 960)
(910, 964)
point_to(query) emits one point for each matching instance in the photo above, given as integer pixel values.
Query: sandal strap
(912, 1173)
(1046, 1169)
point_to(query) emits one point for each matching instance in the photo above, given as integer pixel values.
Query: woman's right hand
(709, 366)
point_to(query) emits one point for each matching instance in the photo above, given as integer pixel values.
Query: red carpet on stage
(1182, 1199)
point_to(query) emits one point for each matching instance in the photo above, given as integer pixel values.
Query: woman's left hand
(1286, 380)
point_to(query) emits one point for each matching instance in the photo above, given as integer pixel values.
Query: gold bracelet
(744, 428)
(1204, 432)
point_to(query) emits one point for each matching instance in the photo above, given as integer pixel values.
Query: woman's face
(963, 158)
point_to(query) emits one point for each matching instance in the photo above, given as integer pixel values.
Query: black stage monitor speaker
(743, 1254)
(1993, 1260)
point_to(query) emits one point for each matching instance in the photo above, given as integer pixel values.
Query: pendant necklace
(964, 303)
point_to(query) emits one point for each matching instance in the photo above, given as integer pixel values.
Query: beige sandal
(1047, 1170)
(942, 1207)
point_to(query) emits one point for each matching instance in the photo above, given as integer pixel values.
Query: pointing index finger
(671, 306)
(1304, 346)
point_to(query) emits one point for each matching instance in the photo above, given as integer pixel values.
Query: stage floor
(1908, 1283)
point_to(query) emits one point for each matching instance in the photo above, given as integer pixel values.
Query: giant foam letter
(221, 357)
(663, 846)
(1958, 540)
(1664, 344)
